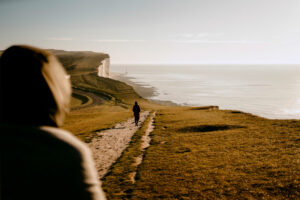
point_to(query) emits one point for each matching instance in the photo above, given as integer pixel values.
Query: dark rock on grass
(206, 108)
(183, 150)
(236, 112)
(209, 128)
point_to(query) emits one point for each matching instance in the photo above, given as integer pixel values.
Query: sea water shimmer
(271, 91)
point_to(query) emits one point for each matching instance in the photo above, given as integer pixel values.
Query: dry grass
(117, 100)
(86, 121)
(201, 154)
(117, 97)
(75, 102)
(117, 183)
(79, 100)
(195, 153)
(108, 88)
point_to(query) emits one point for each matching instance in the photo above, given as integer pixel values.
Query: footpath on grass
(108, 145)
(145, 143)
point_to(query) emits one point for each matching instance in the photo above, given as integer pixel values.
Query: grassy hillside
(105, 87)
(116, 97)
(79, 61)
(203, 154)
(97, 102)
(82, 67)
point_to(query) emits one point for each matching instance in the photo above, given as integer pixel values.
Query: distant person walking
(136, 112)
(38, 159)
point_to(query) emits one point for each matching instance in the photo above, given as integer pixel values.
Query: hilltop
(79, 61)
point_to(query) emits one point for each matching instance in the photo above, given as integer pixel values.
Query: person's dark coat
(136, 109)
(38, 160)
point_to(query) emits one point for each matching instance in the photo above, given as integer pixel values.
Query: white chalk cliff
(85, 61)
(103, 69)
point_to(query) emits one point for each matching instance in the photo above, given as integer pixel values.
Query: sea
(270, 91)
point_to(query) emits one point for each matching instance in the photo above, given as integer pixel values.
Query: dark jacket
(38, 160)
(45, 163)
(136, 109)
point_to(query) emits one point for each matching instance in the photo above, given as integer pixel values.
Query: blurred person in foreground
(38, 160)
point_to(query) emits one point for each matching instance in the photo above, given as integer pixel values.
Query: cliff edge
(83, 61)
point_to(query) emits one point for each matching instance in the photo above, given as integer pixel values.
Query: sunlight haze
(153, 31)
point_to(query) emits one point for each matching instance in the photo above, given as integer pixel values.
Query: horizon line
(204, 63)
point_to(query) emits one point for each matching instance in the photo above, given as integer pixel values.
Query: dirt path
(96, 99)
(146, 139)
(110, 144)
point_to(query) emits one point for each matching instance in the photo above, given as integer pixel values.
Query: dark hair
(33, 87)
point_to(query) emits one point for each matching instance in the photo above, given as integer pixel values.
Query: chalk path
(146, 139)
(108, 146)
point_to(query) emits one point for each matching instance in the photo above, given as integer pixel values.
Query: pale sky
(159, 31)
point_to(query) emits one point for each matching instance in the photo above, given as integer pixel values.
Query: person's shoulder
(66, 138)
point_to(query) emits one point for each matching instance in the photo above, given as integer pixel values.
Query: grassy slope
(84, 122)
(201, 154)
(108, 88)
(118, 97)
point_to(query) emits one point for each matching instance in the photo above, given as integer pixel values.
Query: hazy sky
(168, 31)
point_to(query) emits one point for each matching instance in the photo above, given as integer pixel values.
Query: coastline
(271, 97)
(147, 91)
(143, 90)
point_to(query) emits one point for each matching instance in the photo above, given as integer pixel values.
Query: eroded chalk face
(103, 69)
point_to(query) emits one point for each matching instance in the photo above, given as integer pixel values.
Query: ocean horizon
(271, 91)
